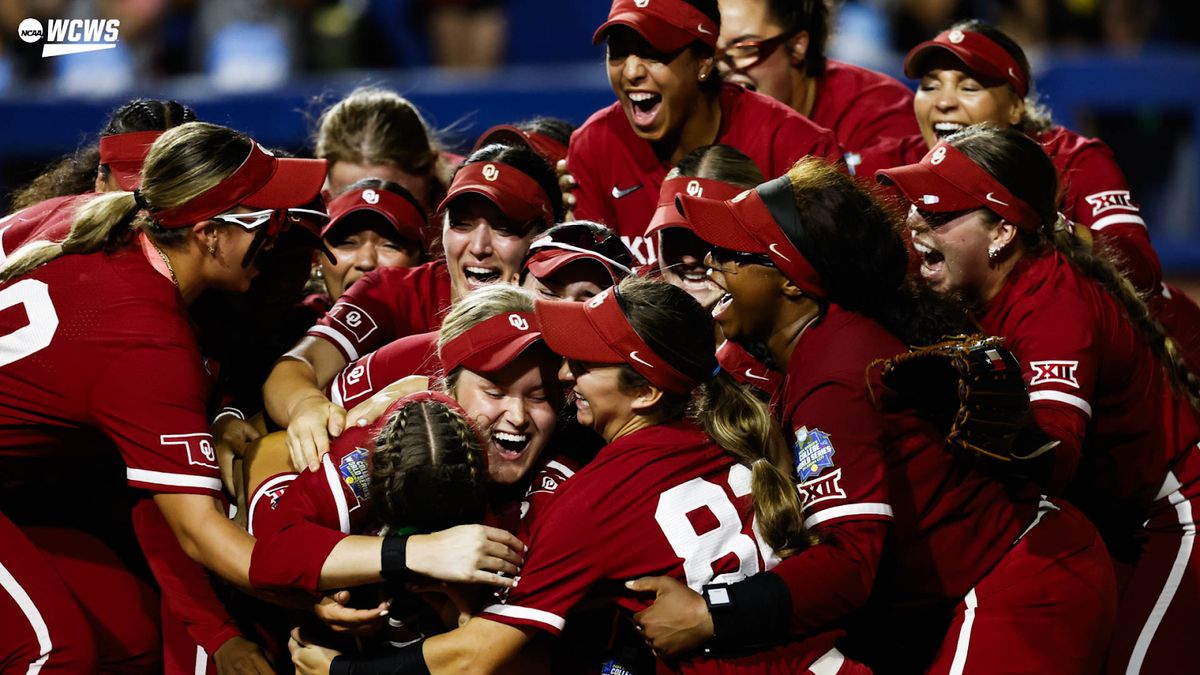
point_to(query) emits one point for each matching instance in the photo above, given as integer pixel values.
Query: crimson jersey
(389, 303)
(862, 461)
(862, 108)
(619, 175)
(102, 342)
(358, 381)
(1180, 316)
(1095, 194)
(660, 501)
(1095, 385)
(45, 221)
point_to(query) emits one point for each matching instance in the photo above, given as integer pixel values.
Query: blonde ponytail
(102, 223)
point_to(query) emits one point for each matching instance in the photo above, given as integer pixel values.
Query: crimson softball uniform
(1128, 451)
(862, 107)
(46, 221)
(389, 303)
(659, 501)
(875, 473)
(619, 175)
(1180, 316)
(359, 380)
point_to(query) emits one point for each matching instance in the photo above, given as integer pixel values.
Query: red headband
(946, 180)
(491, 344)
(668, 25)
(550, 149)
(124, 155)
(756, 221)
(597, 331)
(436, 397)
(409, 221)
(979, 53)
(513, 191)
(666, 215)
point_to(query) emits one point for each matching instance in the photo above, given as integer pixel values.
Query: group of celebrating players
(600, 400)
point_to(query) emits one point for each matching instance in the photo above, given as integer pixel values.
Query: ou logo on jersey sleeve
(199, 448)
(356, 321)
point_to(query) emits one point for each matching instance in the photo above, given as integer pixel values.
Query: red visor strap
(254, 173)
(486, 336)
(520, 196)
(674, 13)
(610, 323)
(951, 165)
(130, 148)
(774, 237)
(407, 216)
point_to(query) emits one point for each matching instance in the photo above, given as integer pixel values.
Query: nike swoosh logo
(776, 252)
(633, 355)
(617, 192)
(990, 198)
(750, 374)
(700, 27)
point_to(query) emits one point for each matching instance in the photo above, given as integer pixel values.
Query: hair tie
(141, 199)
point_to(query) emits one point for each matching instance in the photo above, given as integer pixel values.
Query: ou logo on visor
(596, 301)
(641, 3)
(694, 188)
(370, 196)
(490, 172)
(939, 155)
(517, 321)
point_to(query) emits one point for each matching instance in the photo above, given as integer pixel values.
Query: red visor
(755, 222)
(668, 25)
(979, 54)
(124, 154)
(546, 262)
(946, 180)
(510, 189)
(261, 182)
(597, 331)
(491, 344)
(550, 150)
(408, 221)
(666, 215)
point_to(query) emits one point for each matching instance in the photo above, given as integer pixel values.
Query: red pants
(1047, 607)
(1159, 612)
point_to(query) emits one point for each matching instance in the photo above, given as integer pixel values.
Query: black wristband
(408, 660)
(749, 614)
(393, 563)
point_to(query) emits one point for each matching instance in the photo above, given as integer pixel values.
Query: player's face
(681, 261)
(751, 294)
(600, 403)
(745, 20)
(517, 407)
(656, 91)
(577, 281)
(226, 246)
(954, 252)
(344, 174)
(362, 250)
(949, 99)
(483, 246)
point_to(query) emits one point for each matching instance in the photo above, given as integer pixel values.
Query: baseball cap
(597, 331)
(755, 221)
(564, 244)
(124, 155)
(491, 344)
(514, 192)
(666, 215)
(550, 149)
(979, 53)
(261, 182)
(668, 25)
(402, 214)
(946, 180)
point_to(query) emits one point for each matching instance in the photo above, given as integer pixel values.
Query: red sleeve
(1096, 195)
(796, 138)
(412, 355)
(590, 199)
(359, 322)
(151, 402)
(290, 550)
(835, 577)
(185, 585)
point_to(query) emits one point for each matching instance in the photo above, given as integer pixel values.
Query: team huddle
(653, 394)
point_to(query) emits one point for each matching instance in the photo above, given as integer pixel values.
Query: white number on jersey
(701, 551)
(43, 320)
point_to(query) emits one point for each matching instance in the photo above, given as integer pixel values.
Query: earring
(212, 250)
(993, 251)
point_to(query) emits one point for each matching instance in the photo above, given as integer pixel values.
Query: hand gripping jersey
(660, 501)
(387, 304)
(101, 342)
(862, 108)
(619, 175)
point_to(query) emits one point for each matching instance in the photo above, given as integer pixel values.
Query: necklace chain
(167, 262)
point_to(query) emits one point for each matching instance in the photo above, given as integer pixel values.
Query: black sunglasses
(723, 256)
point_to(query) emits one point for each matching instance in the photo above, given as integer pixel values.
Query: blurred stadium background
(1127, 71)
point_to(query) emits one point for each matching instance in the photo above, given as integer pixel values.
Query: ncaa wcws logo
(70, 36)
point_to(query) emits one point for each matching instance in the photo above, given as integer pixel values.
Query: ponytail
(102, 224)
(741, 424)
